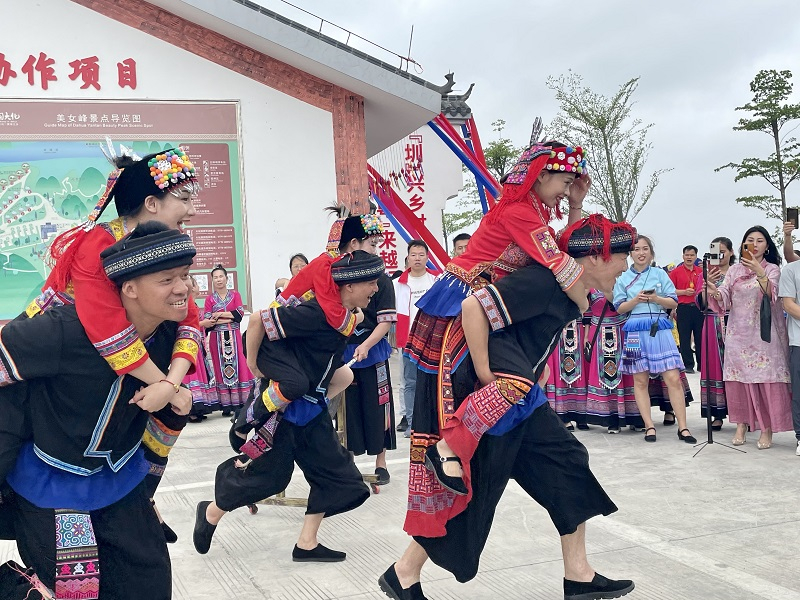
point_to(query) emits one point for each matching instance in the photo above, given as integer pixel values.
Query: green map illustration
(45, 189)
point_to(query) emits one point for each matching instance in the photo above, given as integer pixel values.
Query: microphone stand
(704, 372)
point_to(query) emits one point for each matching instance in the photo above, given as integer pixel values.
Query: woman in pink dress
(756, 372)
(221, 317)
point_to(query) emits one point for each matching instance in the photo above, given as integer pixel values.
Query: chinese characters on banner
(41, 70)
(412, 178)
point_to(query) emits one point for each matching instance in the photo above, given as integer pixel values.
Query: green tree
(500, 156)
(771, 112)
(615, 143)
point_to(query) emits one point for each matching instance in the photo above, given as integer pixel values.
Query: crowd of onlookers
(730, 314)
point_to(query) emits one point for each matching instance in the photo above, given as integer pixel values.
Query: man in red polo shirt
(688, 280)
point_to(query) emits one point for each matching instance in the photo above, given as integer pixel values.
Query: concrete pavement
(722, 525)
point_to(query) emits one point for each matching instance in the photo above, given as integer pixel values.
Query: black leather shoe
(319, 554)
(383, 476)
(390, 585)
(435, 462)
(203, 530)
(688, 438)
(599, 588)
(402, 425)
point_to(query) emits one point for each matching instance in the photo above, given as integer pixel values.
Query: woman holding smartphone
(646, 292)
(756, 372)
(712, 385)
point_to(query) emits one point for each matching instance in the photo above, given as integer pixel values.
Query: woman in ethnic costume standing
(712, 386)
(203, 398)
(610, 401)
(566, 383)
(649, 349)
(222, 315)
(756, 368)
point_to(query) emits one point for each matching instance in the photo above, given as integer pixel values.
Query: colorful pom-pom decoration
(173, 166)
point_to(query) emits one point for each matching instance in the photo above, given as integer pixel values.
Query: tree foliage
(615, 143)
(500, 157)
(771, 112)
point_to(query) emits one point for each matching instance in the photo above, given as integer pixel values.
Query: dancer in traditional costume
(646, 292)
(528, 443)
(82, 504)
(513, 234)
(222, 315)
(369, 403)
(566, 384)
(609, 392)
(156, 188)
(298, 428)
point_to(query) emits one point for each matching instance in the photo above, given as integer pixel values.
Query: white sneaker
(797, 452)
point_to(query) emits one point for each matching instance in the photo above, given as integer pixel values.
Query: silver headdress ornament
(536, 131)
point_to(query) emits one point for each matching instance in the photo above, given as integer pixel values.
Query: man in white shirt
(410, 287)
(789, 292)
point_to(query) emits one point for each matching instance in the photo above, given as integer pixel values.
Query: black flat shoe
(390, 585)
(203, 530)
(716, 427)
(318, 554)
(650, 438)
(599, 588)
(435, 462)
(671, 421)
(383, 476)
(689, 439)
(583, 426)
(570, 427)
(402, 425)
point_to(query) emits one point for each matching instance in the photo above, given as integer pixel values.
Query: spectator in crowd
(204, 400)
(712, 386)
(789, 292)
(688, 280)
(789, 253)
(756, 369)
(222, 315)
(408, 288)
(460, 243)
(649, 348)
(297, 262)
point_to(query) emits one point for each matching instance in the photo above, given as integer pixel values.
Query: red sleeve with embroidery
(103, 316)
(537, 241)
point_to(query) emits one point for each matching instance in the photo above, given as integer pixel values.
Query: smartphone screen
(792, 215)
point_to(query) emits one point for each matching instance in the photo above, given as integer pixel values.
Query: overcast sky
(695, 59)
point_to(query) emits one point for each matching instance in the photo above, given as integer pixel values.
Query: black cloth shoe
(383, 476)
(402, 425)
(390, 585)
(203, 530)
(435, 462)
(598, 588)
(689, 371)
(318, 554)
(688, 438)
(583, 426)
(671, 421)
